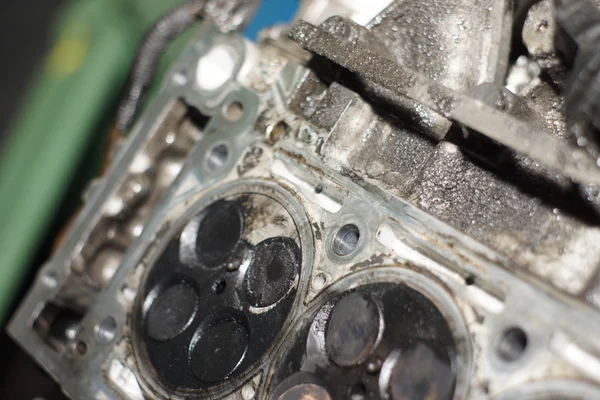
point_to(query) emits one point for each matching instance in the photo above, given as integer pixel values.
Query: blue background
(270, 13)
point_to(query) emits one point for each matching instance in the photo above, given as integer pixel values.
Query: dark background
(24, 39)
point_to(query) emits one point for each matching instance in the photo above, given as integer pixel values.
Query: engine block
(362, 220)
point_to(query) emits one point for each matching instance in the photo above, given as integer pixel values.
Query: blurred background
(64, 63)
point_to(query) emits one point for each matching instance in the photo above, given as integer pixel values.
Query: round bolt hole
(485, 388)
(128, 293)
(346, 240)
(217, 157)
(319, 282)
(218, 286)
(234, 111)
(276, 132)
(512, 344)
(81, 348)
(319, 189)
(469, 280)
(106, 330)
(357, 392)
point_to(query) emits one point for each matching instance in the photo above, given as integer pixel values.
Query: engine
(383, 200)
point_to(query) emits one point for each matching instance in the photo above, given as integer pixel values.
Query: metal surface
(505, 129)
(295, 230)
(56, 140)
(391, 326)
(581, 20)
(229, 15)
(61, 118)
(234, 314)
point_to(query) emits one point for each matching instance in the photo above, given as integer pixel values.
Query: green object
(79, 83)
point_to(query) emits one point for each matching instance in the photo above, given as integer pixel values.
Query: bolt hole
(218, 286)
(319, 281)
(485, 388)
(217, 157)
(106, 330)
(234, 111)
(512, 344)
(128, 293)
(319, 188)
(276, 132)
(346, 240)
(357, 392)
(469, 280)
(81, 348)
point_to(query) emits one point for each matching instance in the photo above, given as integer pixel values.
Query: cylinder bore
(377, 341)
(346, 240)
(217, 297)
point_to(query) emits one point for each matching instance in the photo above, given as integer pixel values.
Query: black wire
(157, 38)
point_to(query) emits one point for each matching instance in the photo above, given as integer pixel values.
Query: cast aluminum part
(381, 188)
